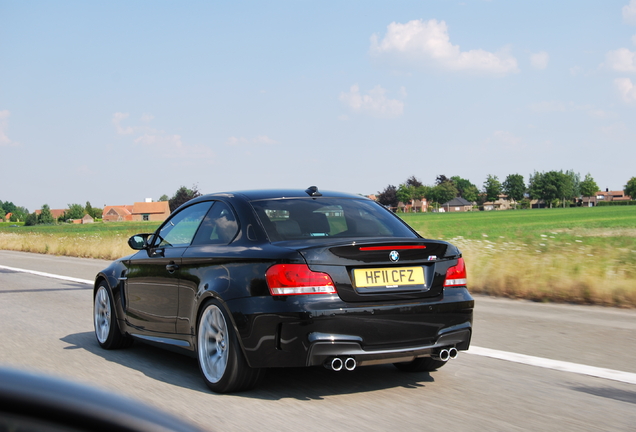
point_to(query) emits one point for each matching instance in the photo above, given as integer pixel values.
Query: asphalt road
(46, 325)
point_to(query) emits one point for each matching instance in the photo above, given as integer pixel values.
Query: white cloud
(427, 42)
(160, 142)
(590, 110)
(507, 139)
(374, 102)
(540, 60)
(4, 125)
(558, 106)
(629, 12)
(118, 117)
(261, 139)
(547, 106)
(626, 89)
(621, 60)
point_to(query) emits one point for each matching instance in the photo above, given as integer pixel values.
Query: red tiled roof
(161, 207)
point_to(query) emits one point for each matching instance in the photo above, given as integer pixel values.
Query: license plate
(392, 277)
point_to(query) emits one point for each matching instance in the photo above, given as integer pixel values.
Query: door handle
(172, 267)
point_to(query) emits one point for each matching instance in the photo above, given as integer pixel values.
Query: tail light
(456, 275)
(296, 279)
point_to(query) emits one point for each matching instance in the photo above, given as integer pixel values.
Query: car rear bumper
(309, 330)
(326, 347)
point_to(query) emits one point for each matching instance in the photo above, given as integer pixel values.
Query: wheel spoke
(213, 344)
(102, 315)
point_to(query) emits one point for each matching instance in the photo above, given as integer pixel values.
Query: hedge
(615, 203)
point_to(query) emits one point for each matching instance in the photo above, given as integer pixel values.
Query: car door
(152, 286)
(207, 261)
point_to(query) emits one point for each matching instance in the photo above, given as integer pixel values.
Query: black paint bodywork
(158, 294)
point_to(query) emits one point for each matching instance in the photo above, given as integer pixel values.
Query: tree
(572, 186)
(31, 219)
(492, 188)
(45, 216)
(514, 187)
(588, 186)
(182, 196)
(92, 211)
(75, 211)
(403, 194)
(164, 197)
(443, 192)
(630, 188)
(19, 214)
(465, 189)
(388, 197)
(8, 207)
(413, 181)
(442, 179)
(411, 191)
(553, 185)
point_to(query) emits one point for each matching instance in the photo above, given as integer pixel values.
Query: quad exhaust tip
(337, 364)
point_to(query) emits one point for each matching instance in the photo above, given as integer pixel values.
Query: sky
(115, 102)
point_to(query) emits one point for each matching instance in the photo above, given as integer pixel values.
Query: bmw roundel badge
(394, 256)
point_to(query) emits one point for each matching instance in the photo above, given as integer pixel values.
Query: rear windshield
(302, 218)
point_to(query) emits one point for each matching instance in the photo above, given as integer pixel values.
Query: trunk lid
(383, 269)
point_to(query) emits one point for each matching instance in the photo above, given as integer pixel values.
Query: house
(418, 206)
(7, 217)
(605, 196)
(150, 211)
(538, 204)
(117, 213)
(56, 213)
(139, 211)
(458, 204)
(502, 203)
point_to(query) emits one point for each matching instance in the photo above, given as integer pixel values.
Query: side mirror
(139, 241)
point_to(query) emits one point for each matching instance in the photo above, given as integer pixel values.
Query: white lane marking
(609, 374)
(49, 275)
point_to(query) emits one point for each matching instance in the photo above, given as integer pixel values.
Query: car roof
(255, 195)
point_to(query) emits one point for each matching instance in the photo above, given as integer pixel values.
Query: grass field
(97, 240)
(580, 255)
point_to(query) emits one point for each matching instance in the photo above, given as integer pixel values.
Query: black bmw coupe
(251, 280)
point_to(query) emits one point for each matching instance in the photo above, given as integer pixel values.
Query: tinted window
(291, 219)
(218, 227)
(180, 228)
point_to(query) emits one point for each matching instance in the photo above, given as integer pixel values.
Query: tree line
(17, 213)
(74, 211)
(553, 187)
(78, 211)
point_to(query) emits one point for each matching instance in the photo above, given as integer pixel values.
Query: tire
(105, 321)
(421, 364)
(221, 360)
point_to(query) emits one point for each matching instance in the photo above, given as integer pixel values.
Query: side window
(179, 229)
(218, 227)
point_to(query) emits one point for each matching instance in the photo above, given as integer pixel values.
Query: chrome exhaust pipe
(350, 364)
(335, 364)
(452, 353)
(442, 355)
